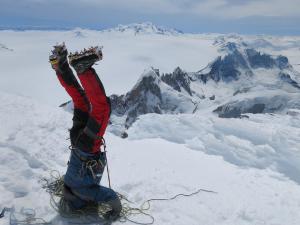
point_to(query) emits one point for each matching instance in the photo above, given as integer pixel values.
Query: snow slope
(32, 143)
(260, 141)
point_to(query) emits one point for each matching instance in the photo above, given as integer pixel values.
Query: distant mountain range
(136, 28)
(242, 80)
(42, 28)
(144, 28)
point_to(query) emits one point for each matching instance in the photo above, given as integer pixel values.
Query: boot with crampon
(82, 61)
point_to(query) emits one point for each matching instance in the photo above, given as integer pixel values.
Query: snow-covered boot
(82, 61)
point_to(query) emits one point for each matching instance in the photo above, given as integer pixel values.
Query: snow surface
(253, 163)
(262, 141)
(33, 142)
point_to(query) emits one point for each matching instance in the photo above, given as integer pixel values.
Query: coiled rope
(54, 186)
(92, 214)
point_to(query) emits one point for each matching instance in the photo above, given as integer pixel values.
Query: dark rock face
(258, 60)
(178, 80)
(144, 98)
(224, 112)
(231, 111)
(282, 62)
(237, 61)
(231, 46)
(147, 96)
(262, 104)
(243, 90)
(226, 69)
(287, 78)
(118, 104)
(202, 77)
(256, 108)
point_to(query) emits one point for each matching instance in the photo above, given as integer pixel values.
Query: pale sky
(197, 16)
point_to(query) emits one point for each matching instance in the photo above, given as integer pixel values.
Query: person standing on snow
(90, 118)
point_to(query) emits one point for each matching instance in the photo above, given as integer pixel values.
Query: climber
(90, 119)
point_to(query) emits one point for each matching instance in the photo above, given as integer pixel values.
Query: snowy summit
(144, 28)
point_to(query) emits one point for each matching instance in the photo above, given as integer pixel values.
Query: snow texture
(33, 143)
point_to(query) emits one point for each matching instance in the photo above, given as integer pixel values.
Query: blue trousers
(83, 178)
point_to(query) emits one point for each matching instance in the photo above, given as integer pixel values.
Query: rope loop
(54, 186)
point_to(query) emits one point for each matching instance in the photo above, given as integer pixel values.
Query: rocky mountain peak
(226, 68)
(179, 80)
(148, 83)
(183, 92)
(154, 94)
(144, 97)
(239, 59)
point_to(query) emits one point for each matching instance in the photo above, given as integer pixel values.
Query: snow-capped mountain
(240, 61)
(152, 94)
(144, 28)
(255, 82)
(253, 71)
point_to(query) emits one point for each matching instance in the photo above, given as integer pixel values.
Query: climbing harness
(91, 164)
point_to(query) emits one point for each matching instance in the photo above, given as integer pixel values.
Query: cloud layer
(222, 8)
(88, 12)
